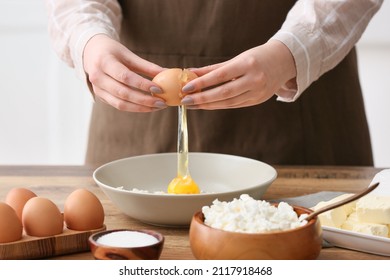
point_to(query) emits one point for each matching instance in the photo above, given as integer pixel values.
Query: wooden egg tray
(30, 247)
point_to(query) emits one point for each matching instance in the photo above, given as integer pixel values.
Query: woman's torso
(327, 124)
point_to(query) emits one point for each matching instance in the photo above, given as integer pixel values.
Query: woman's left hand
(248, 79)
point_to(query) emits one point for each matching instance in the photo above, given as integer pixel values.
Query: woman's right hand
(115, 74)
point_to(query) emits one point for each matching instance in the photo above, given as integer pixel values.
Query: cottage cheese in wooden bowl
(246, 228)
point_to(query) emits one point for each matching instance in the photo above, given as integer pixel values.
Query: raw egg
(17, 198)
(183, 185)
(83, 211)
(41, 217)
(11, 228)
(172, 81)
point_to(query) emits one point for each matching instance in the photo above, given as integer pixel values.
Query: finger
(240, 101)
(222, 92)
(229, 103)
(121, 104)
(129, 94)
(213, 78)
(206, 69)
(121, 73)
(142, 66)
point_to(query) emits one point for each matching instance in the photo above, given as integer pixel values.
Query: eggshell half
(172, 81)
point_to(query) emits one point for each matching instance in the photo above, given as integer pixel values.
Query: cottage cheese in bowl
(248, 229)
(251, 216)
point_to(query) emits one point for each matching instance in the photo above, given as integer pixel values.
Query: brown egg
(11, 228)
(41, 217)
(17, 198)
(83, 211)
(172, 81)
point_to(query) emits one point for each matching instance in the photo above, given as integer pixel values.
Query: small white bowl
(218, 176)
(126, 251)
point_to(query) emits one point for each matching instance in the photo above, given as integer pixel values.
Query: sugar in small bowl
(126, 244)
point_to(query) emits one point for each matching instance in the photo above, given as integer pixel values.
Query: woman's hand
(115, 74)
(248, 79)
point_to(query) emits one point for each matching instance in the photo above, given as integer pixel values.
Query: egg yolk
(183, 185)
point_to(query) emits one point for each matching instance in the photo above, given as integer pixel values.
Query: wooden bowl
(301, 243)
(106, 252)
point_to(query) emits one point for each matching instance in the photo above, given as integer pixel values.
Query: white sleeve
(319, 34)
(71, 23)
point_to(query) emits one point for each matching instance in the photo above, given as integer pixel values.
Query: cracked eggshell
(172, 81)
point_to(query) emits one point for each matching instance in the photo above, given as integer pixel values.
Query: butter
(371, 229)
(332, 218)
(335, 217)
(369, 215)
(348, 208)
(373, 209)
(352, 223)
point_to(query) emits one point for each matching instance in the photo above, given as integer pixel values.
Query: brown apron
(326, 125)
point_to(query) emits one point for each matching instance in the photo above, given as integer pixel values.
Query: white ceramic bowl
(219, 176)
(125, 252)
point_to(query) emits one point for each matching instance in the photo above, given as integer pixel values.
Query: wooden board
(29, 247)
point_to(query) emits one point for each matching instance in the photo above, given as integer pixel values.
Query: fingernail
(155, 90)
(188, 88)
(160, 104)
(187, 100)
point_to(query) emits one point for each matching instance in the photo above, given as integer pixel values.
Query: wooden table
(56, 182)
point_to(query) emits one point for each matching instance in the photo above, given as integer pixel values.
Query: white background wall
(45, 109)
